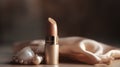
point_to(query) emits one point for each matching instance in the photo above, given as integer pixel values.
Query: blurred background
(26, 19)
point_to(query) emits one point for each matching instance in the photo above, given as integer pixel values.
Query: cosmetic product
(51, 45)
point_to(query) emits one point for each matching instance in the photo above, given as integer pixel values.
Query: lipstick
(51, 45)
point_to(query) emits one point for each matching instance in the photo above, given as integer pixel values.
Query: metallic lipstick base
(52, 54)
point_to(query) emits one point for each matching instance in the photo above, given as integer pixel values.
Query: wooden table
(6, 54)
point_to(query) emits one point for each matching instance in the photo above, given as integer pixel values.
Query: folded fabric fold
(76, 48)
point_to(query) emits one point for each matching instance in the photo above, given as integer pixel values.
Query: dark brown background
(26, 19)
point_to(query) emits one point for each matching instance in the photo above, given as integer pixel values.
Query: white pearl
(37, 59)
(25, 54)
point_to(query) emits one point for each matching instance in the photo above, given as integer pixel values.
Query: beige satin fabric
(77, 48)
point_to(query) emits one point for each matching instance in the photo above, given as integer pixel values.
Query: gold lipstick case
(51, 51)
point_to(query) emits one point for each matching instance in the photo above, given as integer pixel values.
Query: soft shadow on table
(71, 61)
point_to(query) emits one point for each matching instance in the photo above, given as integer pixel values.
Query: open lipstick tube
(51, 45)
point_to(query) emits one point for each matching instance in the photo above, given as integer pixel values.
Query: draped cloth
(76, 48)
